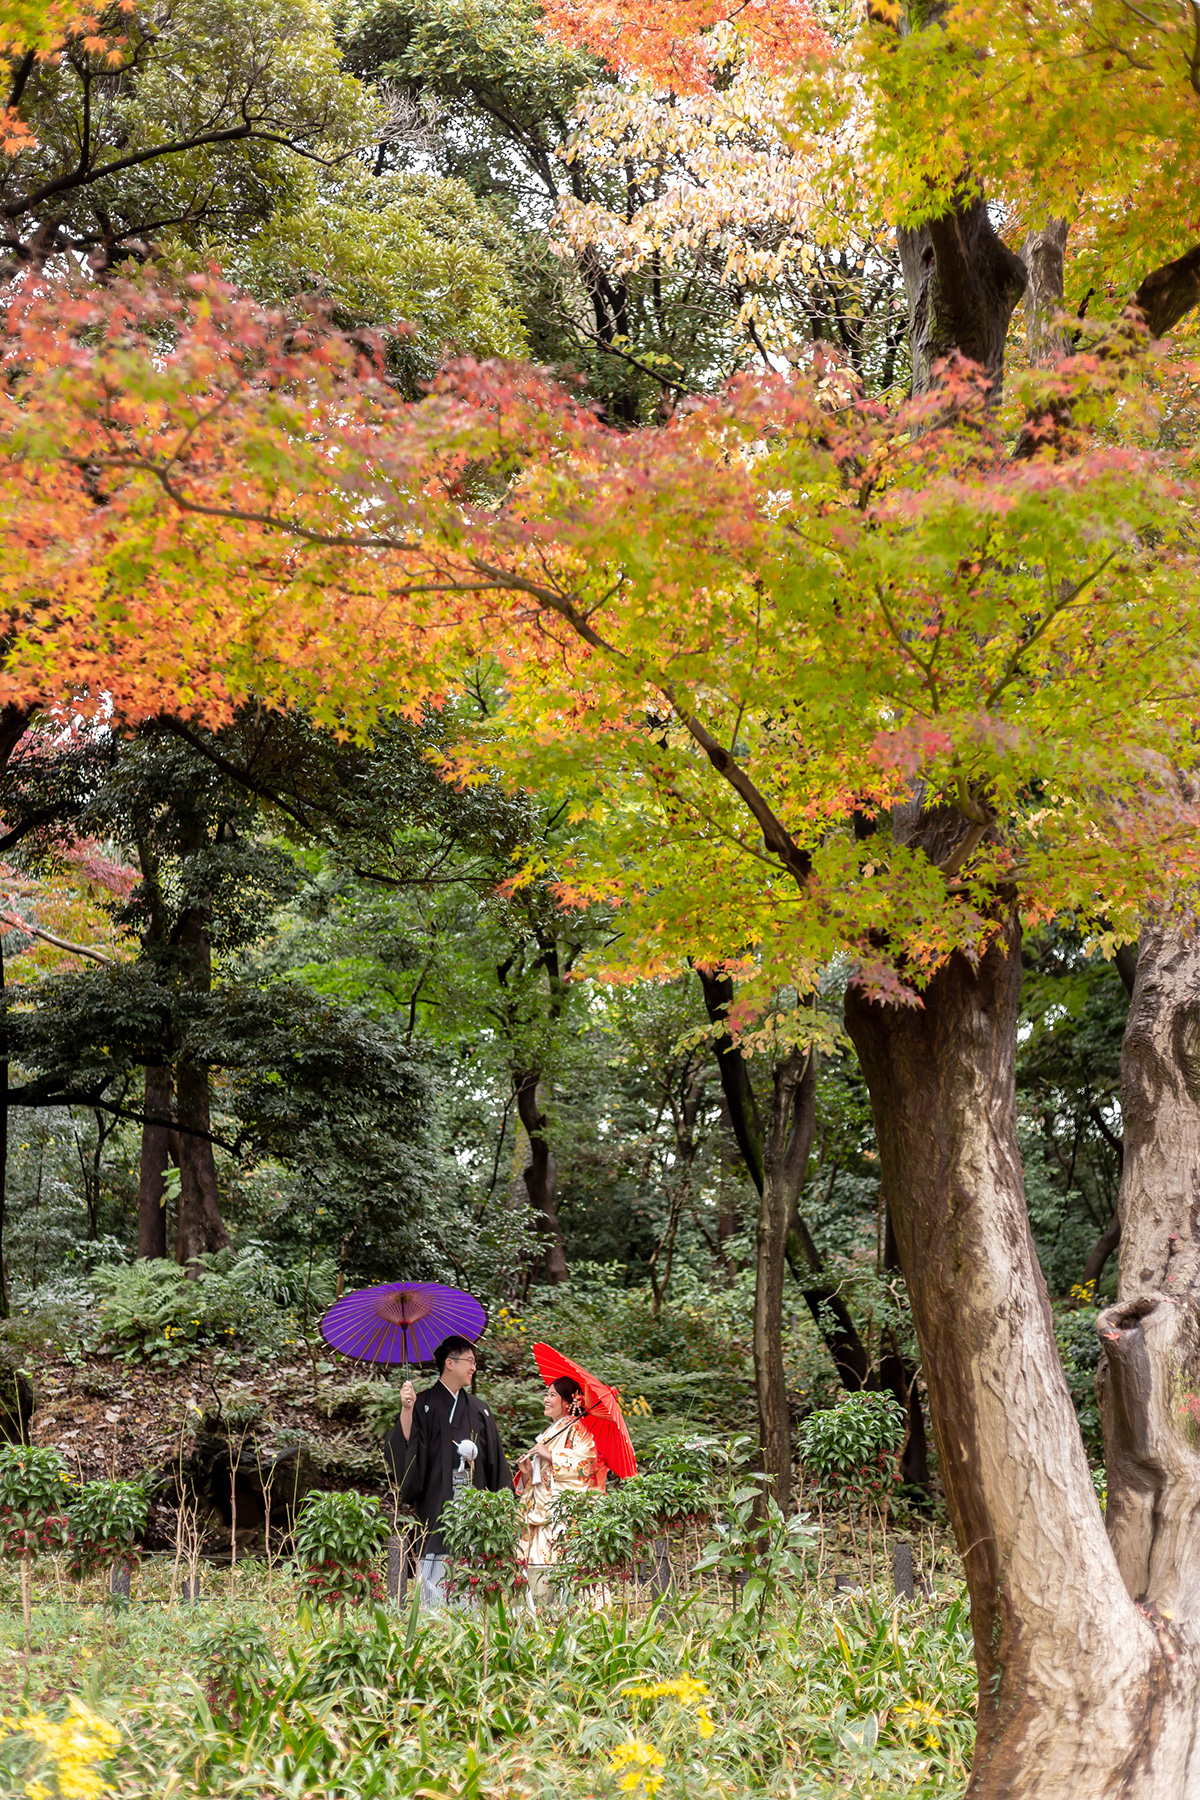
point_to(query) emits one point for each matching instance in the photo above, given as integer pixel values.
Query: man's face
(459, 1368)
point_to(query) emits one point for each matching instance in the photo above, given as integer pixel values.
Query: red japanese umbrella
(601, 1409)
(401, 1321)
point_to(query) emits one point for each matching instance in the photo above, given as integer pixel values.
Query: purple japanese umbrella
(400, 1322)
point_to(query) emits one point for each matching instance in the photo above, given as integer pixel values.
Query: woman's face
(554, 1406)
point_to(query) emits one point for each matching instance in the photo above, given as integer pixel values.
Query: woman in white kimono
(563, 1457)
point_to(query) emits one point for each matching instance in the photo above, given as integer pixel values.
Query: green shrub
(688, 1335)
(338, 1540)
(34, 1489)
(107, 1518)
(852, 1447)
(345, 1458)
(606, 1535)
(33, 1522)
(241, 1411)
(603, 1534)
(374, 1404)
(482, 1532)
(760, 1550)
(233, 1655)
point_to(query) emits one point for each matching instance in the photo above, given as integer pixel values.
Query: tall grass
(860, 1697)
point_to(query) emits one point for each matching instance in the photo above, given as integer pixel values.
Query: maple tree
(682, 43)
(921, 567)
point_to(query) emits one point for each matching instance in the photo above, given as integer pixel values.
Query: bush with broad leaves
(482, 1533)
(338, 1540)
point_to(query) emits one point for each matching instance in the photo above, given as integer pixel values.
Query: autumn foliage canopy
(818, 599)
(727, 637)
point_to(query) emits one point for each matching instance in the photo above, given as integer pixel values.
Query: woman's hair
(568, 1391)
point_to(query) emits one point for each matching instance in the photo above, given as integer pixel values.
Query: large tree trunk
(1070, 1674)
(152, 1176)
(1149, 1378)
(541, 1175)
(787, 1145)
(962, 283)
(201, 1227)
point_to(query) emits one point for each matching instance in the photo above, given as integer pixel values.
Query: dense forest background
(272, 994)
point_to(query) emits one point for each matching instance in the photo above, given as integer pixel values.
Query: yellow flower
(704, 1723)
(686, 1689)
(919, 1718)
(639, 1767)
(73, 1747)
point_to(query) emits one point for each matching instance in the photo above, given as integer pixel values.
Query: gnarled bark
(1149, 1378)
(541, 1174)
(1070, 1674)
(962, 283)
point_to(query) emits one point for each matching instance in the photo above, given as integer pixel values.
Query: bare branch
(14, 922)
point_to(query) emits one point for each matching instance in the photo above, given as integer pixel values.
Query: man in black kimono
(444, 1439)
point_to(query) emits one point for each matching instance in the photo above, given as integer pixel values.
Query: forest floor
(117, 1418)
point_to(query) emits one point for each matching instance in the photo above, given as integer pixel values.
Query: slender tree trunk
(829, 1310)
(201, 1228)
(1071, 1675)
(541, 1174)
(152, 1177)
(898, 1377)
(1102, 1249)
(787, 1144)
(14, 723)
(1042, 254)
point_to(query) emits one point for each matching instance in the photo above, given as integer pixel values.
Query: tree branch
(233, 134)
(775, 834)
(24, 71)
(14, 922)
(1169, 293)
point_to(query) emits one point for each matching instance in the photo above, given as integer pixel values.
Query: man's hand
(408, 1399)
